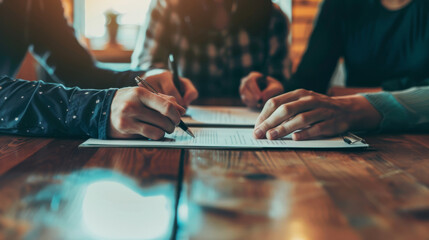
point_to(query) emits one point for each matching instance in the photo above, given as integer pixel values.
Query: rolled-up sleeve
(46, 109)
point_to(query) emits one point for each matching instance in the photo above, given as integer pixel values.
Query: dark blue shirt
(380, 47)
(50, 109)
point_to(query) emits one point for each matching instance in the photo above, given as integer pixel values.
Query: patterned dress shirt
(217, 65)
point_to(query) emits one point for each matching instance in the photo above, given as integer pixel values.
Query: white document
(220, 116)
(222, 138)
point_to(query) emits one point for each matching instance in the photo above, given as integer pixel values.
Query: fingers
(250, 92)
(154, 118)
(163, 83)
(272, 104)
(150, 131)
(323, 129)
(282, 114)
(301, 121)
(252, 85)
(172, 99)
(170, 89)
(132, 128)
(190, 92)
(160, 104)
(248, 98)
(136, 111)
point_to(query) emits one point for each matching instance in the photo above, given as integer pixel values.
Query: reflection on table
(52, 189)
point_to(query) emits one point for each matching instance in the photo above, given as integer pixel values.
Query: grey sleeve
(402, 110)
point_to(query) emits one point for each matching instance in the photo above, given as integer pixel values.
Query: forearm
(55, 46)
(402, 110)
(44, 109)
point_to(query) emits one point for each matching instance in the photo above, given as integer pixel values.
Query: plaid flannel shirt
(217, 66)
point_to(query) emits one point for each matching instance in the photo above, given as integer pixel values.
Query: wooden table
(51, 189)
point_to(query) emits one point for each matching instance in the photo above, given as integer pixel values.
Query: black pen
(174, 70)
(182, 125)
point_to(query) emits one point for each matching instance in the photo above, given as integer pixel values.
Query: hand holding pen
(143, 83)
(184, 86)
(137, 112)
(169, 83)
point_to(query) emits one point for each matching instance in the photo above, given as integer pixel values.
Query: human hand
(251, 94)
(137, 112)
(162, 81)
(316, 115)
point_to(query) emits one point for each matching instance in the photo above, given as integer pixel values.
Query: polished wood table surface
(52, 189)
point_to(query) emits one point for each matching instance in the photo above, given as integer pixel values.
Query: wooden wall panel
(304, 13)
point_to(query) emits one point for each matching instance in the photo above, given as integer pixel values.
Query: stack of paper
(200, 116)
(239, 137)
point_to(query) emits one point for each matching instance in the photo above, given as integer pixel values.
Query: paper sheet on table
(222, 138)
(220, 116)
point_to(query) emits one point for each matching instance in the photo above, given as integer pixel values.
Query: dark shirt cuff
(395, 116)
(104, 122)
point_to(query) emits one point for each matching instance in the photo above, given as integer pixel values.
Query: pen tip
(190, 133)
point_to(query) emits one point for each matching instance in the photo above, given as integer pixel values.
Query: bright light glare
(111, 210)
(133, 13)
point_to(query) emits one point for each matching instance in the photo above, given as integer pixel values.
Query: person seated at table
(310, 115)
(384, 43)
(218, 43)
(47, 109)
(50, 109)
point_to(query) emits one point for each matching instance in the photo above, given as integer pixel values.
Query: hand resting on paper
(316, 115)
(137, 112)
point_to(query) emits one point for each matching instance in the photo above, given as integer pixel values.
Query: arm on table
(318, 115)
(47, 109)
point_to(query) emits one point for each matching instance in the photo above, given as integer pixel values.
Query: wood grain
(14, 150)
(46, 195)
(272, 193)
(378, 193)
(370, 191)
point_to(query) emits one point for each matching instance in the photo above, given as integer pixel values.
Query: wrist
(361, 114)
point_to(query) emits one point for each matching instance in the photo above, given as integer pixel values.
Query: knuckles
(303, 92)
(285, 109)
(303, 118)
(127, 107)
(272, 103)
(167, 108)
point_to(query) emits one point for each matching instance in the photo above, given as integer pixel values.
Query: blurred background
(91, 20)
